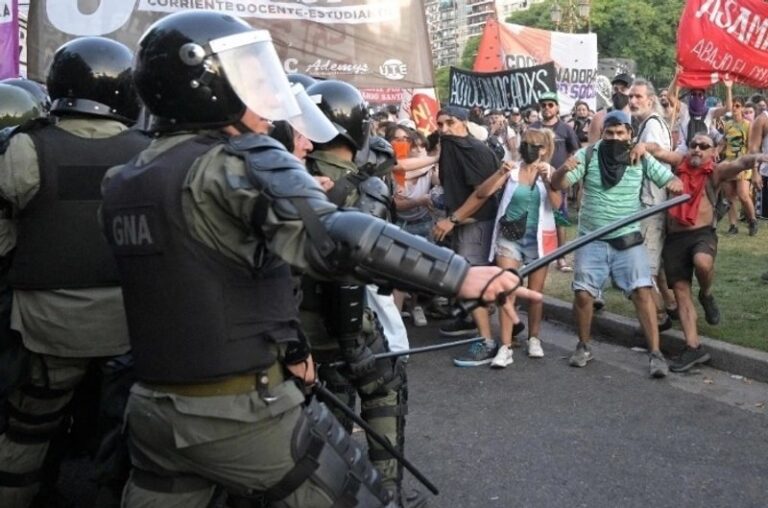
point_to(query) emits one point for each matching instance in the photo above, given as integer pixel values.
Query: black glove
(360, 360)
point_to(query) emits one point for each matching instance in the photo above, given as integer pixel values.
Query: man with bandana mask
(619, 102)
(611, 187)
(691, 243)
(698, 117)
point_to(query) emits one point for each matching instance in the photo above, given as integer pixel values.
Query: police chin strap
(467, 306)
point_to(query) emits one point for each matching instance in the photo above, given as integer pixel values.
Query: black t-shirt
(566, 141)
(465, 163)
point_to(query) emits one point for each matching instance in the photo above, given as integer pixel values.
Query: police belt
(233, 385)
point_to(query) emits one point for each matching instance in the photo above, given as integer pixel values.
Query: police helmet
(303, 79)
(17, 106)
(345, 107)
(92, 76)
(37, 90)
(202, 69)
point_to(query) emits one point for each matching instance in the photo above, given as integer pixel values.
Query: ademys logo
(393, 69)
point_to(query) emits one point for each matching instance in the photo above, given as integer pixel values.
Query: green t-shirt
(601, 206)
(525, 199)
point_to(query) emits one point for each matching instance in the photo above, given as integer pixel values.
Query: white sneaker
(417, 313)
(534, 348)
(503, 358)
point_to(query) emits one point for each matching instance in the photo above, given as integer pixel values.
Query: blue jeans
(524, 250)
(597, 261)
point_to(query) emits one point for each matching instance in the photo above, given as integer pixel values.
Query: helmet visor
(312, 122)
(253, 70)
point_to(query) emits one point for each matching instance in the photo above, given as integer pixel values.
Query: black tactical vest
(59, 243)
(193, 313)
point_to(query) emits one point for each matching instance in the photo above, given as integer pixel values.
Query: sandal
(563, 266)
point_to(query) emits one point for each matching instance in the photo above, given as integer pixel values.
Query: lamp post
(572, 15)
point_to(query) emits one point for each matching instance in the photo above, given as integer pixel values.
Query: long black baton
(416, 350)
(468, 306)
(328, 397)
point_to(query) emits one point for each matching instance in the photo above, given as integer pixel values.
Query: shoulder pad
(250, 142)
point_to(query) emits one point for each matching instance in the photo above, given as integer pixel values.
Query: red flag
(424, 113)
(489, 57)
(721, 39)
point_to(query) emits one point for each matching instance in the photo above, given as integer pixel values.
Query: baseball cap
(622, 78)
(616, 117)
(455, 111)
(549, 96)
(515, 111)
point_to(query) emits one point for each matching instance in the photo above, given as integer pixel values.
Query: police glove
(360, 360)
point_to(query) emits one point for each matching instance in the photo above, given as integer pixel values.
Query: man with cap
(566, 143)
(619, 101)
(516, 122)
(611, 191)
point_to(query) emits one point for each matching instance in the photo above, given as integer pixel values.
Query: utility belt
(232, 385)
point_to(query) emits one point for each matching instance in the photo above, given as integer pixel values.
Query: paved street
(543, 434)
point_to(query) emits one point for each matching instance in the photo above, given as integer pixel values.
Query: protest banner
(510, 46)
(502, 90)
(368, 43)
(423, 110)
(9, 39)
(719, 38)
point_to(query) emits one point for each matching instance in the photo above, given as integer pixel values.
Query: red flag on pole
(489, 57)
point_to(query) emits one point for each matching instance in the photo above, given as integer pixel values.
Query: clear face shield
(253, 70)
(312, 123)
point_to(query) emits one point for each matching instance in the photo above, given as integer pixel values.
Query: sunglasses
(701, 146)
(548, 105)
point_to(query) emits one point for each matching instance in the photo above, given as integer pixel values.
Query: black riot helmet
(303, 79)
(92, 76)
(345, 107)
(201, 69)
(17, 106)
(37, 90)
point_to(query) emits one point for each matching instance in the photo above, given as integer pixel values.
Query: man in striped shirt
(611, 191)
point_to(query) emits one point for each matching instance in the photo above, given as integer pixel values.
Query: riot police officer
(202, 224)
(67, 303)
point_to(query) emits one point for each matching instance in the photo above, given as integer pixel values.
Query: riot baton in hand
(468, 306)
(328, 397)
(417, 350)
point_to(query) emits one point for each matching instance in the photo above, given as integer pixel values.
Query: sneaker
(479, 353)
(581, 356)
(534, 348)
(689, 358)
(658, 365)
(711, 311)
(503, 358)
(419, 319)
(752, 228)
(732, 230)
(459, 326)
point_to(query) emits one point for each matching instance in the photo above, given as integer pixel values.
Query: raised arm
(654, 149)
(730, 169)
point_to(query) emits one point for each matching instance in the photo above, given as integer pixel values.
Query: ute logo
(393, 69)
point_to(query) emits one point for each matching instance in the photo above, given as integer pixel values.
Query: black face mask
(613, 155)
(619, 100)
(529, 152)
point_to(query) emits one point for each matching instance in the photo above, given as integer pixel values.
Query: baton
(416, 350)
(328, 397)
(470, 305)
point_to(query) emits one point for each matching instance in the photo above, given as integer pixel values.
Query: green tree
(442, 83)
(470, 52)
(643, 30)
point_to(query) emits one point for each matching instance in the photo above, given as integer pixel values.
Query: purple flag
(9, 39)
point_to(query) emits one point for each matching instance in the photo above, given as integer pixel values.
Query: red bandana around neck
(694, 183)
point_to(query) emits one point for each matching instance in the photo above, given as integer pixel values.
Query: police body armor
(62, 217)
(222, 319)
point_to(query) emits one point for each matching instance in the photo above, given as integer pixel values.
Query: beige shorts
(653, 229)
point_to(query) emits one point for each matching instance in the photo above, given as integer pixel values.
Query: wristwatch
(454, 219)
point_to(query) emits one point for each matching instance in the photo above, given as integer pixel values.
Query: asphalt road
(542, 434)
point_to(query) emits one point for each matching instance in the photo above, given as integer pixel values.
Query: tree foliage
(643, 30)
(442, 83)
(470, 52)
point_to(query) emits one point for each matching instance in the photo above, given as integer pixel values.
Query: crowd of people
(226, 236)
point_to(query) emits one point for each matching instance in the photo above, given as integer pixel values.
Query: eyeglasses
(701, 146)
(548, 105)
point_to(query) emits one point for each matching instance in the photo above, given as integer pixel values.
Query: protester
(516, 122)
(619, 102)
(580, 122)
(530, 116)
(697, 117)
(503, 135)
(67, 302)
(736, 136)
(525, 229)
(566, 143)
(465, 163)
(691, 244)
(611, 186)
(216, 196)
(652, 128)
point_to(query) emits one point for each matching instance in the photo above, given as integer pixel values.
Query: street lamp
(572, 16)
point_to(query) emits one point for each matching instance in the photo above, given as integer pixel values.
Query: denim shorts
(597, 261)
(523, 250)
